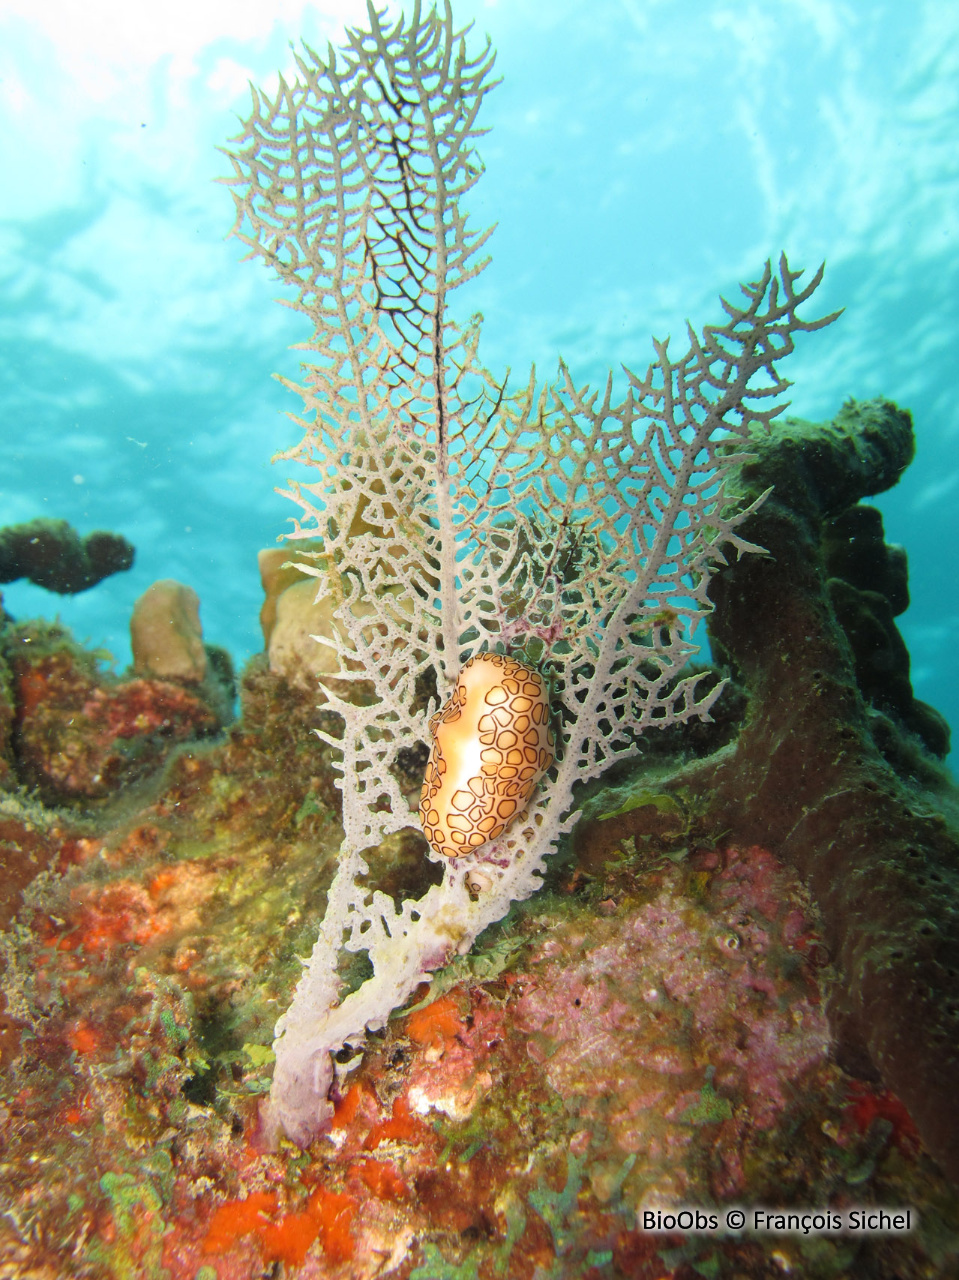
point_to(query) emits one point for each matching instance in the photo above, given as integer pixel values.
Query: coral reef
(76, 733)
(735, 982)
(650, 1029)
(8, 715)
(51, 554)
(690, 1011)
(657, 1026)
(825, 772)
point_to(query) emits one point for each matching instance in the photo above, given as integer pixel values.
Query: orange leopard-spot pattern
(492, 742)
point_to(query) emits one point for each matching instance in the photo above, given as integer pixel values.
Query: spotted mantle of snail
(492, 742)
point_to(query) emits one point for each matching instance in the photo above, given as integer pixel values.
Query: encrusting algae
(650, 1029)
(655, 1027)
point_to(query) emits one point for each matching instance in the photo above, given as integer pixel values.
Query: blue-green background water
(645, 155)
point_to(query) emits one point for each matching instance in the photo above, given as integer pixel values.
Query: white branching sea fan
(553, 524)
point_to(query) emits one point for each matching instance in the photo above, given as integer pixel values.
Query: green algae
(556, 1207)
(662, 802)
(435, 1266)
(126, 1193)
(261, 1055)
(710, 1108)
(515, 1226)
(479, 966)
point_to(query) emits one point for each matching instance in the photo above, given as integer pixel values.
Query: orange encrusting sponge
(328, 1216)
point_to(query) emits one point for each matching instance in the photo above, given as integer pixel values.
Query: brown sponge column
(842, 787)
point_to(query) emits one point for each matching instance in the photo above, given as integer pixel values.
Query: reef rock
(293, 651)
(735, 987)
(51, 554)
(648, 1031)
(868, 585)
(166, 635)
(7, 717)
(831, 771)
(79, 735)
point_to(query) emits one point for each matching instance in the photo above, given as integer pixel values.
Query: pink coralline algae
(78, 735)
(684, 1012)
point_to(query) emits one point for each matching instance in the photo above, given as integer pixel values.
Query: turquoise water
(644, 157)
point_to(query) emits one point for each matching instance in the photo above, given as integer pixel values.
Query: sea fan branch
(456, 516)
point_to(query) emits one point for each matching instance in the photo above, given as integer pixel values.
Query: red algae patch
(79, 737)
(381, 1179)
(436, 1024)
(400, 1126)
(867, 1105)
(121, 912)
(668, 1019)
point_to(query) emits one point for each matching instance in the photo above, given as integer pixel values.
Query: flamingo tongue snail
(492, 742)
